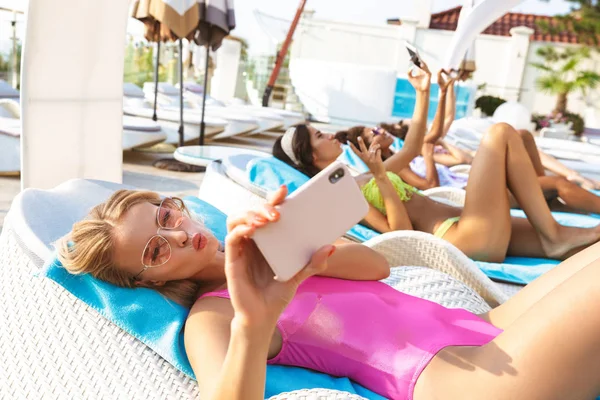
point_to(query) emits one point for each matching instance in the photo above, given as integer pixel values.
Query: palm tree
(563, 74)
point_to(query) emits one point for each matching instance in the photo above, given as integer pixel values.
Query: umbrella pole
(202, 125)
(180, 92)
(154, 117)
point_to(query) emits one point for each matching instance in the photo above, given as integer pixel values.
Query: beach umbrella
(216, 20)
(168, 20)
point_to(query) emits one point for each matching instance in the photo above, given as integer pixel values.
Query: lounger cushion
(7, 91)
(132, 90)
(140, 124)
(160, 326)
(193, 87)
(567, 219)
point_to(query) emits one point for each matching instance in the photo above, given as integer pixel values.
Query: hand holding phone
(257, 298)
(315, 215)
(415, 58)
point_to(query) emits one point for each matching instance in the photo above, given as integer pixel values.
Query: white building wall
(503, 63)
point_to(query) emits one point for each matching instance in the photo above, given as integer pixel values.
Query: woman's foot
(569, 240)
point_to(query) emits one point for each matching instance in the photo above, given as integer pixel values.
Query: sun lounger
(194, 92)
(135, 104)
(141, 132)
(168, 99)
(467, 133)
(53, 343)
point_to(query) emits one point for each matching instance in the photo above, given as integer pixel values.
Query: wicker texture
(461, 169)
(55, 346)
(422, 249)
(438, 287)
(448, 195)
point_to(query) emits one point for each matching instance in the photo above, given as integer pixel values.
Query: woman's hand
(427, 149)
(444, 80)
(422, 80)
(257, 298)
(370, 156)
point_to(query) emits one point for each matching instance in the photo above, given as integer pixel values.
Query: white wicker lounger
(54, 345)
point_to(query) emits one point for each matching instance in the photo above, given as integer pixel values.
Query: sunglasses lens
(157, 252)
(170, 214)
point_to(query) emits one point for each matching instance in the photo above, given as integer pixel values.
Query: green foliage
(577, 121)
(139, 64)
(584, 20)
(6, 63)
(562, 74)
(489, 104)
(545, 121)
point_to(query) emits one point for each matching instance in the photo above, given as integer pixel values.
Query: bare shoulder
(206, 337)
(209, 313)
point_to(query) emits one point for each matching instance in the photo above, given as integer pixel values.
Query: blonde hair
(88, 248)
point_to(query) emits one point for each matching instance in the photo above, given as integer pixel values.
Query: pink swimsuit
(371, 333)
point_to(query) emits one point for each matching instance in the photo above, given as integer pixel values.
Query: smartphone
(414, 55)
(315, 215)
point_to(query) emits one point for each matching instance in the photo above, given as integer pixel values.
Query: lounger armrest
(448, 195)
(461, 169)
(425, 250)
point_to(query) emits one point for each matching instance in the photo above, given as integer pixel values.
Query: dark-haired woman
(483, 229)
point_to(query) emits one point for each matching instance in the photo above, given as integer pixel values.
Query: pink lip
(199, 241)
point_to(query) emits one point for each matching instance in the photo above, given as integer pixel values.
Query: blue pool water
(404, 100)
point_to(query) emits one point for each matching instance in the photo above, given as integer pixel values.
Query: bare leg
(505, 314)
(573, 195)
(549, 352)
(532, 151)
(484, 231)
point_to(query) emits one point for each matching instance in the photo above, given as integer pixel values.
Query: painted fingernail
(331, 251)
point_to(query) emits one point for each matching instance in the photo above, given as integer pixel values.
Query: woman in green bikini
(483, 229)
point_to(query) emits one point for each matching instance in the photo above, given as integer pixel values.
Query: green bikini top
(374, 197)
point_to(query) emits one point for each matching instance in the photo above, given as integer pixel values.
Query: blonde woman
(396, 345)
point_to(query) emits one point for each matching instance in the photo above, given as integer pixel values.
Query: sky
(358, 11)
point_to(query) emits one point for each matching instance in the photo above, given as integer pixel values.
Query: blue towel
(158, 322)
(568, 219)
(269, 173)
(519, 270)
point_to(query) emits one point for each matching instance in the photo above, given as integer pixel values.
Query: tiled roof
(448, 20)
